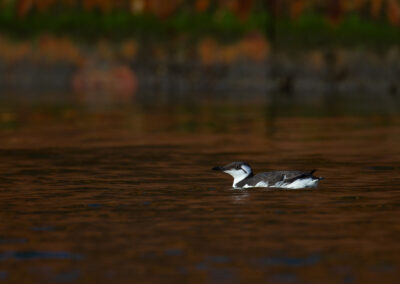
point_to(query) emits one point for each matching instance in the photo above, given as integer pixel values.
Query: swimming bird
(243, 177)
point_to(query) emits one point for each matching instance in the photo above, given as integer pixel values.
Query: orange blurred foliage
(333, 9)
(12, 52)
(297, 7)
(162, 8)
(47, 49)
(207, 50)
(137, 6)
(23, 7)
(44, 4)
(253, 47)
(128, 49)
(202, 5)
(376, 8)
(241, 8)
(57, 49)
(393, 12)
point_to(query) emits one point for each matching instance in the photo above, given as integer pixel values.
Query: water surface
(128, 195)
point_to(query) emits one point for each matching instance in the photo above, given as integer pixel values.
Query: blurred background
(153, 51)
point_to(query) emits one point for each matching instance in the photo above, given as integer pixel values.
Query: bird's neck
(240, 178)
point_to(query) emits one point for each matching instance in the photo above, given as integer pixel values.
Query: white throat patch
(239, 175)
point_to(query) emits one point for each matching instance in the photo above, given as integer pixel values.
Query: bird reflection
(240, 196)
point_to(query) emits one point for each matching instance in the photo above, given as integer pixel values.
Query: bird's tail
(314, 177)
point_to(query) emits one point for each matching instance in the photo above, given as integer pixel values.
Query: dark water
(128, 196)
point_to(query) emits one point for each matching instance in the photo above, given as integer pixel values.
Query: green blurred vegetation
(310, 28)
(314, 30)
(89, 25)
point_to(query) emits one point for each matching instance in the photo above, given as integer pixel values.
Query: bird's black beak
(218, 168)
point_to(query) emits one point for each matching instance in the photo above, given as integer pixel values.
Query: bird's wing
(270, 177)
(277, 176)
(291, 176)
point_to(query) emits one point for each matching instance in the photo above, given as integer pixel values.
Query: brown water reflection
(128, 196)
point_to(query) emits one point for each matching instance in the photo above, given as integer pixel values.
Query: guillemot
(243, 177)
